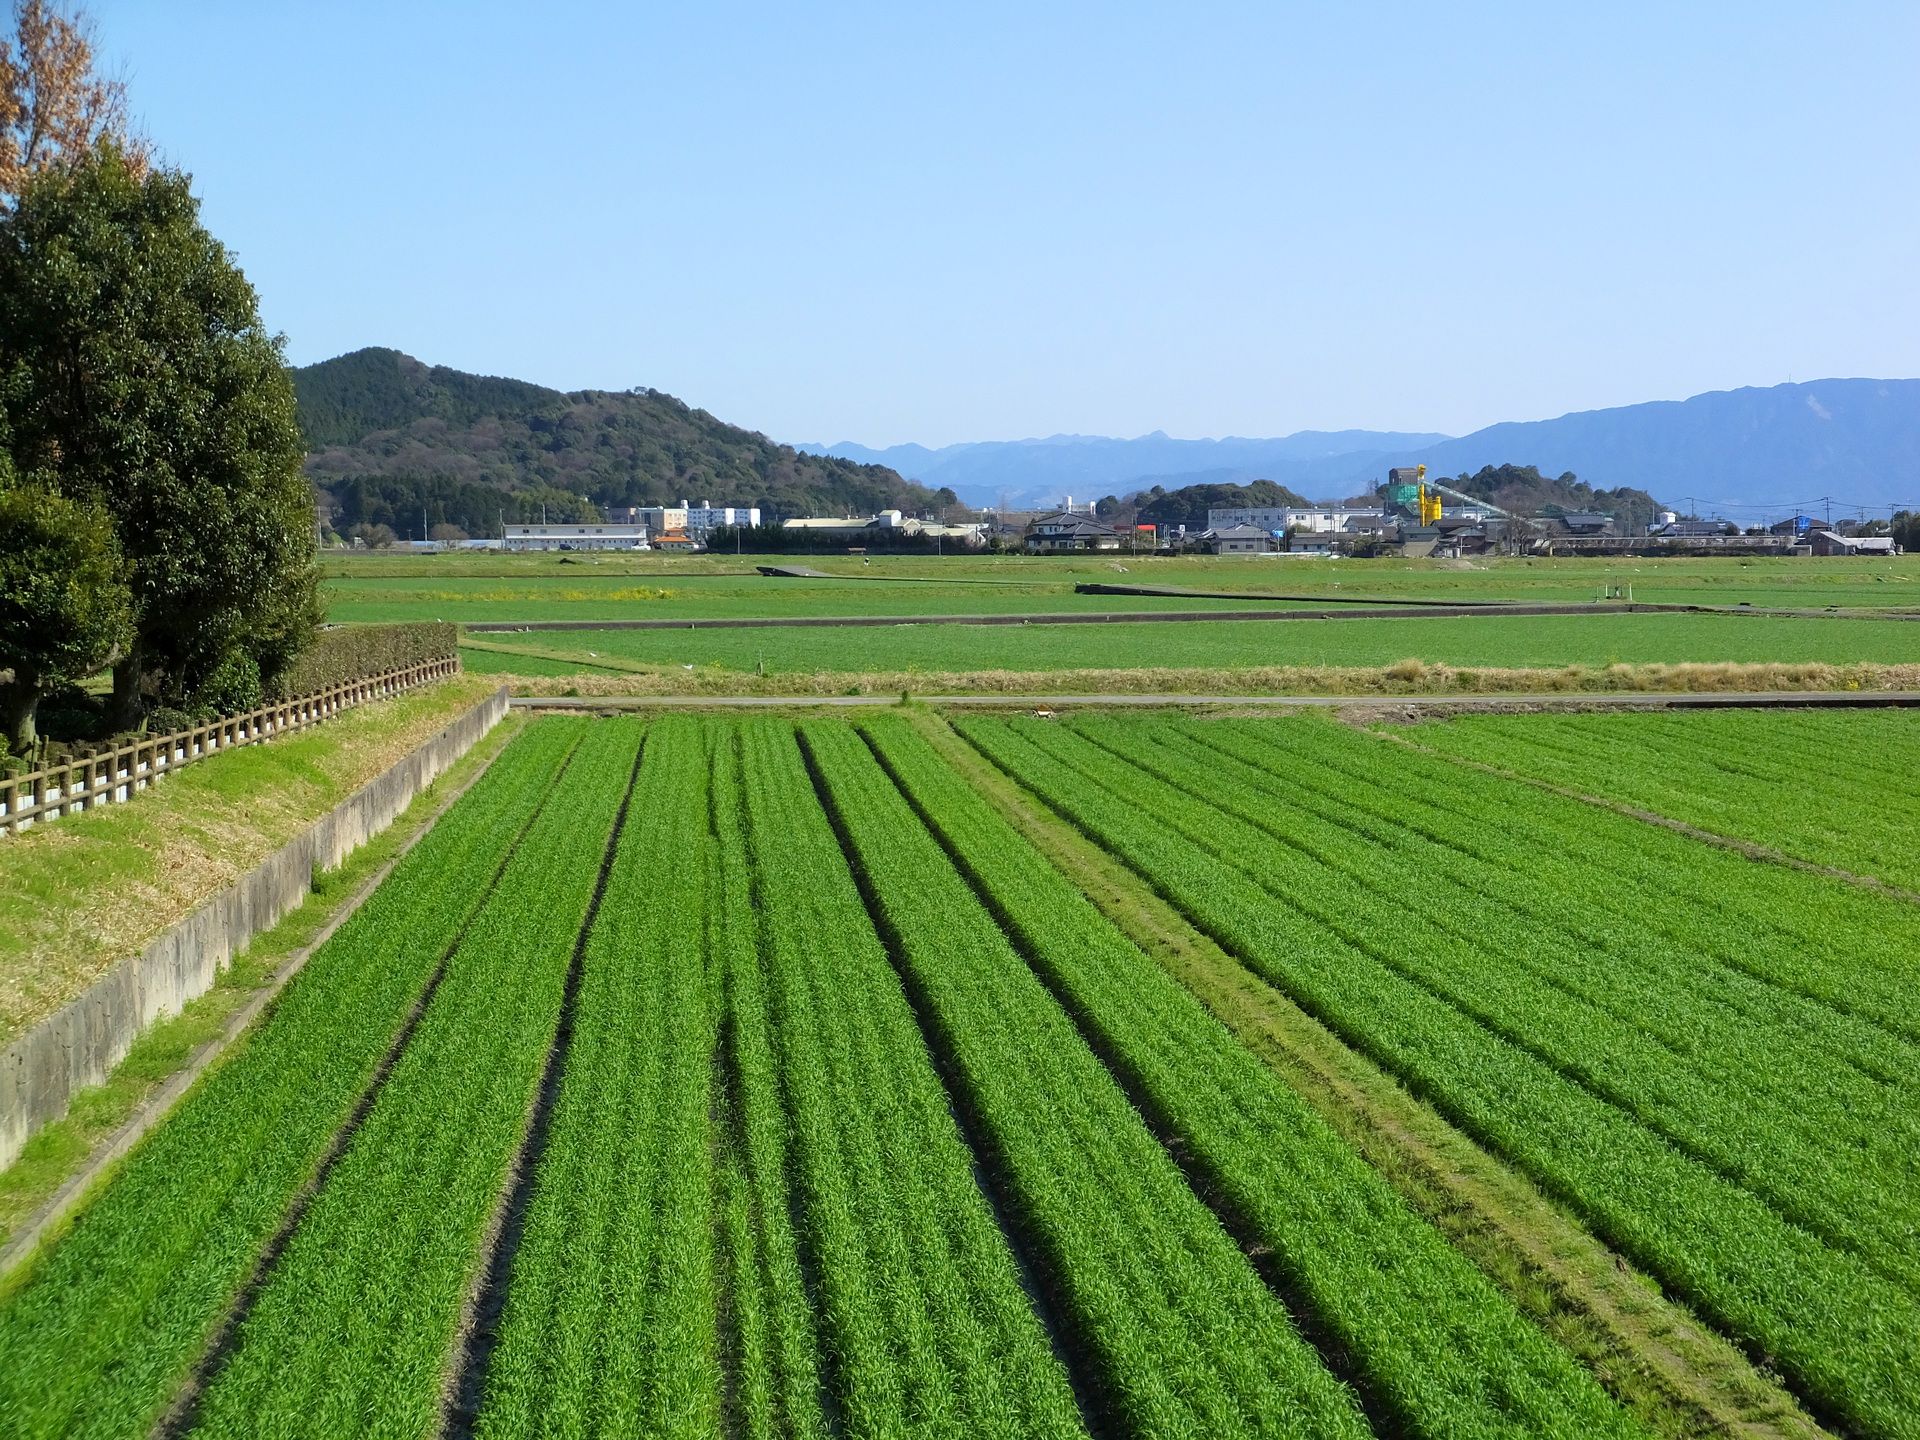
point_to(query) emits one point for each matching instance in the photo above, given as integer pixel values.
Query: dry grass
(78, 894)
(1407, 678)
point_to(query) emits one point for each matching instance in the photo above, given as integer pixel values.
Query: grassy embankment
(179, 844)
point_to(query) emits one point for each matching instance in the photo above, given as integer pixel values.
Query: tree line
(153, 514)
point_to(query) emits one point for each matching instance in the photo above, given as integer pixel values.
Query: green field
(1830, 789)
(1532, 641)
(818, 1098)
(468, 589)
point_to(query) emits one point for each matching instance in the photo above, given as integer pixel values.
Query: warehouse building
(575, 537)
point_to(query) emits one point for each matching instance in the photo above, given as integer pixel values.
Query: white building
(885, 523)
(1280, 519)
(694, 520)
(575, 537)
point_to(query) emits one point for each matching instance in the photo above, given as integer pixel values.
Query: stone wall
(80, 1045)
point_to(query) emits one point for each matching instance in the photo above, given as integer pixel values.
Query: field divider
(44, 1223)
(477, 1335)
(1091, 1391)
(182, 1414)
(1760, 854)
(1381, 1417)
(1582, 1292)
(1412, 705)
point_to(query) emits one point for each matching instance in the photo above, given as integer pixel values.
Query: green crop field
(1520, 642)
(467, 589)
(774, 1078)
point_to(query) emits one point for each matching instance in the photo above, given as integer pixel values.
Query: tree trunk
(19, 700)
(129, 709)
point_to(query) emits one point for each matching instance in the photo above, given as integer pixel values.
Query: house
(1832, 542)
(676, 540)
(1586, 522)
(1064, 530)
(1239, 540)
(1305, 542)
(575, 537)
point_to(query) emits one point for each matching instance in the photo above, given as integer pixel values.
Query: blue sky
(936, 222)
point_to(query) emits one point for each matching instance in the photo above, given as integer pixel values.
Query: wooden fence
(115, 775)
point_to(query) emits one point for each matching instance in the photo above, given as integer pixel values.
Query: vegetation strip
(1414, 610)
(1679, 1375)
(1646, 700)
(111, 1319)
(609, 1324)
(353, 1327)
(1835, 1327)
(159, 1102)
(920, 1312)
(1429, 1337)
(1188, 1338)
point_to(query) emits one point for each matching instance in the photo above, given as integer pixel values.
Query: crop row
(1187, 1338)
(919, 1306)
(1855, 952)
(1834, 789)
(100, 1337)
(609, 1326)
(1749, 959)
(1756, 1095)
(774, 1340)
(353, 1327)
(1845, 1335)
(1443, 1351)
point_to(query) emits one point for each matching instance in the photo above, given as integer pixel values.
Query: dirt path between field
(1678, 1376)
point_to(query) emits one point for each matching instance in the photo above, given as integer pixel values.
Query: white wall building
(694, 520)
(1281, 519)
(575, 537)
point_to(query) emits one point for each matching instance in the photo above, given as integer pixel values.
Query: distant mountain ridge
(1744, 451)
(399, 443)
(1089, 466)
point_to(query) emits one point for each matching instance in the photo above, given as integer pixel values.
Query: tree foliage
(1189, 504)
(54, 110)
(1524, 490)
(64, 606)
(135, 376)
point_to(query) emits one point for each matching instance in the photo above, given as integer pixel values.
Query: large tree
(135, 375)
(53, 108)
(64, 606)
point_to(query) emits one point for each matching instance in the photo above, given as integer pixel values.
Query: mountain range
(395, 442)
(1855, 442)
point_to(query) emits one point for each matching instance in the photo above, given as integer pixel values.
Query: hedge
(350, 652)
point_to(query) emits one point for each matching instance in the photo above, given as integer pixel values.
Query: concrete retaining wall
(79, 1046)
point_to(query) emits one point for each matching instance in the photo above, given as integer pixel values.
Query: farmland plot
(756, 1079)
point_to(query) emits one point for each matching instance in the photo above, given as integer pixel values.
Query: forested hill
(388, 436)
